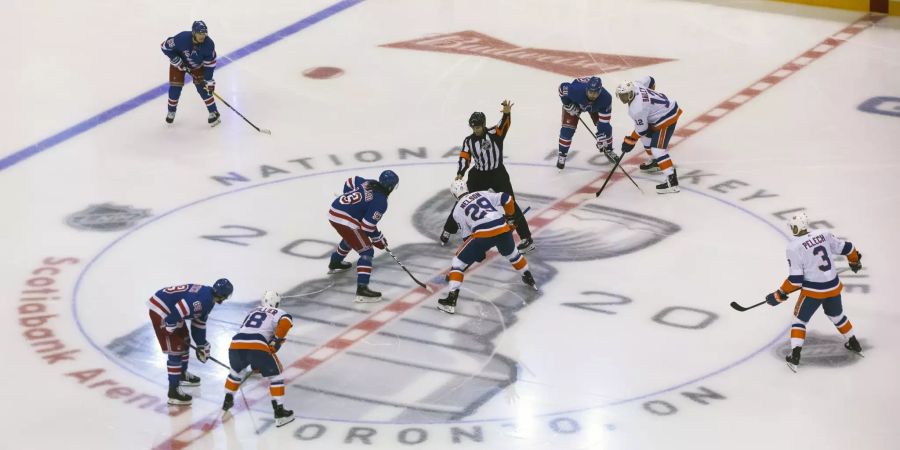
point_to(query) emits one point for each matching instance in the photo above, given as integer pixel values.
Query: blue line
(160, 90)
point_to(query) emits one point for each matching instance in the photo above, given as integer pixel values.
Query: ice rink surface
(630, 342)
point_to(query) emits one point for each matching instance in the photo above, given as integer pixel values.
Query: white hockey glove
(445, 237)
(203, 352)
(178, 63)
(604, 142)
(210, 86)
(172, 327)
(572, 109)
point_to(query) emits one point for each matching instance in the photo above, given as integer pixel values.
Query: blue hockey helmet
(594, 84)
(222, 288)
(199, 26)
(389, 180)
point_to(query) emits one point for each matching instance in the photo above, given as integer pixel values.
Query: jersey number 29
(479, 209)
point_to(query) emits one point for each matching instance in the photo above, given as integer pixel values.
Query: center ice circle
(245, 255)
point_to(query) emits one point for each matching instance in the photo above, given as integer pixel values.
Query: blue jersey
(177, 304)
(574, 94)
(361, 206)
(195, 56)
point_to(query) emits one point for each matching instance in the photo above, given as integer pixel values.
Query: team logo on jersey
(573, 64)
(106, 217)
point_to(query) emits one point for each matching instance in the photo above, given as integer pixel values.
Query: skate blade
(361, 299)
(214, 124)
(282, 421)
(447, 309)
(671, 190)
(334, 271)
(174, 402)
(224, 415)
(189, 383)
(792, 367)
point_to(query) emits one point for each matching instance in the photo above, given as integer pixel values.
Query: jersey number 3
(824, 255)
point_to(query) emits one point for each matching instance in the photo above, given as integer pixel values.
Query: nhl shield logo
(106, 217)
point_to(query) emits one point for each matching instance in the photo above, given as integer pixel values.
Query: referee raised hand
(482, 152)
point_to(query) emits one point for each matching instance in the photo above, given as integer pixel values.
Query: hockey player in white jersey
(262, 332)
(655, 117)
(486, 219)
(811, 262)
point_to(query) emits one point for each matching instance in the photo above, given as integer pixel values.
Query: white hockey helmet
(799, 223)
(625, 92)
(458, 188)
(271, 299)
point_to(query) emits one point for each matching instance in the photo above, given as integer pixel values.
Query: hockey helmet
(799, 223)
(222, 288)
(271, 299)
(389, 180)
(199, 26)
(477, 119)
(458, 188)
(625, 92)
(594, 84)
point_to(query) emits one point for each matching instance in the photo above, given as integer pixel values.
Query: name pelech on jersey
(483, 213)
(360, 207)
(196, 56)
(811, 262)
(261, 326)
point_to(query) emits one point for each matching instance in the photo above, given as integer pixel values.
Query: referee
(483, 151)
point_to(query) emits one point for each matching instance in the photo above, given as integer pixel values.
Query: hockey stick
(427, 288)
(611, 172)
(261, 130)
(617, 162)
(744, 308)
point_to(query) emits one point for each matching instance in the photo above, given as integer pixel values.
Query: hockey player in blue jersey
(170, 309)
(355, 215)
(192, 51)
(585, 95)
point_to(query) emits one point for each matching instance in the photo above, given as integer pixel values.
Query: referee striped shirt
(486, 152)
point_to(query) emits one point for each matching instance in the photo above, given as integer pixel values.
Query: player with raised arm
(262, 333)
(355, 215)
(170, 309)
(655, 117)
(192, 51)
(482, 151)
(585, 95)
(486, 220)
(811, 264)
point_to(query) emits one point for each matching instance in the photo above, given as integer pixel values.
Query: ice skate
(561, 162)
(170, 117)
(228, 403)
(649, 166)
(178, 397)
(213, 118)
(528, 279)
(338, 267)
(526, 245)
(793, 360)
(670, 186)
(853, 346)
(189, 380)
(282, 416)
(366, 295)
(448, 303)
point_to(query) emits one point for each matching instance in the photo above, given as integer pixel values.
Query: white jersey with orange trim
(483, 213)
(811, 260)
(261, 326)
(651, 109)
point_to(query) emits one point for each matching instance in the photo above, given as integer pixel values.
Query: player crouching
(260, 337)
(486, 218)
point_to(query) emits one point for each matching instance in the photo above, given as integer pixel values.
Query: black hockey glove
(445, 237)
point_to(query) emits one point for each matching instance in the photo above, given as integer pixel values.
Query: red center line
(390, 311)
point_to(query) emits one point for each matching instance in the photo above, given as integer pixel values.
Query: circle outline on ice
(170, 212)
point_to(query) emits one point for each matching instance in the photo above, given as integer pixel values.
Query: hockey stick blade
(740, 308)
